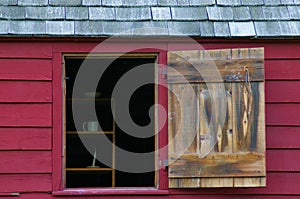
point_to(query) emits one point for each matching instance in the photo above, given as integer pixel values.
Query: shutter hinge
(165, 164)
(163, 72)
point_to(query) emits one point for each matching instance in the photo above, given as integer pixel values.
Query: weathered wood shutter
(216, 118)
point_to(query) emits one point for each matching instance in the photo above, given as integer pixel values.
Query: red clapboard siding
(25, 138)
(25, 91)
(283, 160)
(25, 162)
(283, 114)
(25, 50)
(25, 182)
(283, 137)
(49, 196)
(26, 115)
(282, 91)
(282, 69)
(25, 69)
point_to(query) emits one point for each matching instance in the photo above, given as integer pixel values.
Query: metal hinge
(163, 72)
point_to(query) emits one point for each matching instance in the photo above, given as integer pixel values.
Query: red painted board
(282, 91)
(25, 91)
(25, 50)
(25, 162)
(283, 114)
(283, 69)
(25, 138)
(283, 160)
(278, 183)
(283, 137)
(125, 196)
(26, 115)
(25, 182)
(25, 69)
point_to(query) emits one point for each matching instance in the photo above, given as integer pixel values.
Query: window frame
(58, 128)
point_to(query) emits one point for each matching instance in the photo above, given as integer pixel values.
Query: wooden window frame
(58, 127)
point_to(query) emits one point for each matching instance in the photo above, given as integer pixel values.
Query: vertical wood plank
(183, 118)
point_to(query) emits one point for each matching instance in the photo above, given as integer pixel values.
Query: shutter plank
(183, 118)
(217, 165)
(229, 70)
(249, 129)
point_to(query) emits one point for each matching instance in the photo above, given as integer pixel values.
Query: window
(93, 147)
(216, 118)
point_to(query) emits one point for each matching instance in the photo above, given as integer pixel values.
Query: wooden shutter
(216, 118)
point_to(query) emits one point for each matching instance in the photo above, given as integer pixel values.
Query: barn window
(216, 118)
(91, 155)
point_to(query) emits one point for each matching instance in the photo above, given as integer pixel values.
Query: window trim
(161, 178)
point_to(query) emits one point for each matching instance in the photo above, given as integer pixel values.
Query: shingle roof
(199, 18)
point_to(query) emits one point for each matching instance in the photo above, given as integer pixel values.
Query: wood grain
(26, 182)
(25, 91)
(26, 69)
(39, 115)
(230, 130)
(282, 91)
(25, 162)
(25, 138)
(282, 69)
(282, 114)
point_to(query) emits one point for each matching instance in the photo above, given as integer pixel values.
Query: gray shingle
(207, 29)
(220, 13)
(88, 27)
(276, 13)
(241, 13)
(221, 29)
(65, 3)
(287, 2)
(91, 2)
(183, 2)
(189, 13)
(257, 13)
(45, 13)
(294, 27)
(202, 2)
(228, 2)
(3, 27)
(297, 2)
(117, 28)
(33, 2)
(184, 28)
(252, 2)
(150, 28)
(139, 2)
(102, 13)
(60, 27)
(272, 2)
(294, 12)
(167, 2)
(78, 13)
(8, 2)
(9, 12)
(161, 13)
(267, 28)
(133, 14)
(27, 27)
(241, 29)
(112, 2)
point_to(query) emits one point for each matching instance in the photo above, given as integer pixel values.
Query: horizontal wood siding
(26, 120)
(25, 117)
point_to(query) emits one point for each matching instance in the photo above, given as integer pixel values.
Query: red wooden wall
(28, 92)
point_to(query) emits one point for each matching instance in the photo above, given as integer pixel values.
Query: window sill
(111, 191)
